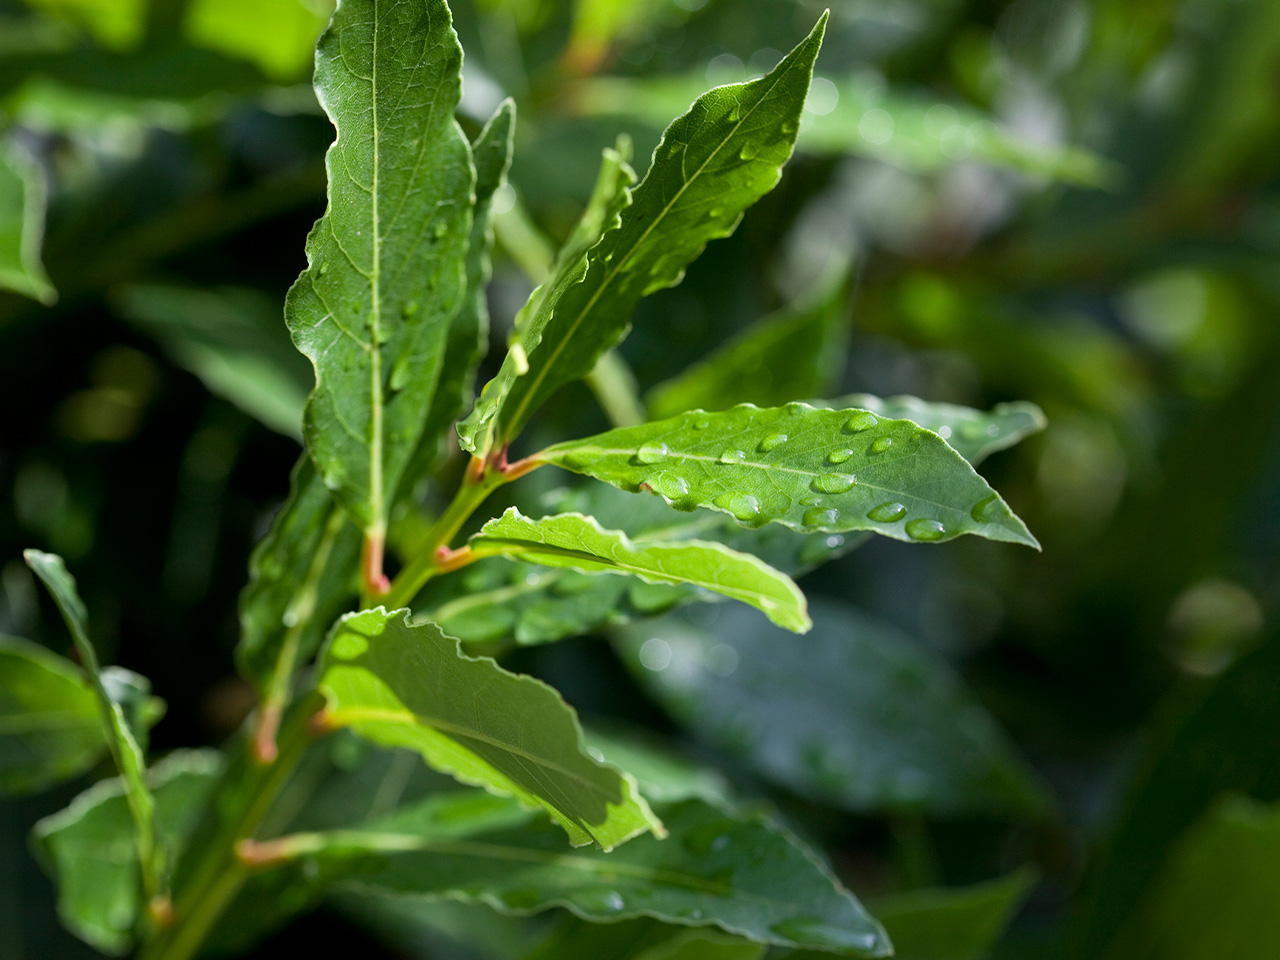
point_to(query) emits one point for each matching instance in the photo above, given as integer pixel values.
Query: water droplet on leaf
(772, 441)
(820, 516)
(833, 482)
(839, 456)
(887, 512)
(925, 529)
(732, 456)
(742, 505)
(670, 485)
(882, 444)
(653, 453)
(979, 511)
(860, 421)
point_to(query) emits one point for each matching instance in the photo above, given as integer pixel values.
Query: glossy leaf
(88, 847)
(855, 715)
(410, 686)
(300, 579)
(22, 203)
(1215, 894)
(386, 263)
(579, 543)
(860, 117)
(230, 338)
(122, 739)
(807, 468)
(788, 356)
(739, 873)
(469, 329)
(716, 160)
(610, 196)
(50, 722)
(974, 434)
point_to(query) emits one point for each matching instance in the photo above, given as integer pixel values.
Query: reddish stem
(264, 737)
(375, 581)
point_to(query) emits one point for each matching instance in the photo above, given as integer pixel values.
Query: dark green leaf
(854, 715)
(810, 469)
(88, 847)
(233, 340)
(22, 201)
(974, 434)
(386, 267)
(718, 159)
(641, 939)
(50, 722)
(791, 355)
(405, 686)
(663, 776)
(579, 543)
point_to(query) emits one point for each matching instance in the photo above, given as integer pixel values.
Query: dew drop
(653, 453)
(742, 505)
(839, 456)
(731, 455)
(979, 511)
(670, 485)
(833, 482)
(860, 421)
(441, 229)
(735, 112)
(749, 151)
(882, 444)
(795, 408)
(925, 529)
(887, 512)
(322, 268)
(701, 424)
(819, 517)
(773, 441)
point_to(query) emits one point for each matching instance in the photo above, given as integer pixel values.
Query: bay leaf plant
(345, 641)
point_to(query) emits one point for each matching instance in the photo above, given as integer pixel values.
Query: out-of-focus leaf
(88, 848)
(401, 685)
(974, 434)
(300, 576)
(278, 35)
(641, 939)
(50, 722)
(233, 340)
(713, 162)
(1214, 738)
(579, 543)
(664, 777)
(610, 196)
(809, 469)
(117, 24)
(1215, 895)
(22, 202)
(386, 263)
(854, 715)
(122, 739)
(791, 355)
(849, 115)
(739, 873)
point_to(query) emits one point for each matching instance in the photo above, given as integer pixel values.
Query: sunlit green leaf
(739, 873)
(854, 715)
(810, 469)
(791, 355)
(278, 35)
(713, 162)
(50, 722)
(410, 686)
(122, 738)
(88, 848)
(233, 340)
(1215, 894)
(579, 543)
(386, 266)
(974, 434)
(22, 201)
(118, 24)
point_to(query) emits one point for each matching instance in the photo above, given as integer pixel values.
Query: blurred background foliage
(1073, 202)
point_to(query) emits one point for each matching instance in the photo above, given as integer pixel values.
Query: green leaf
(810, 469)
(641, 939)
(277, 35)
(386, 263)
(610, 196)
(401, 685)
(974, 434)
(22, 203)
(469, 330)
(50, 722)
(856, 715)
(716, 160)
(579, 543)
(232, 339)
(663, 776)
(788, 356)
(1215, 895)
(300, 579)
(122, 738)
(88, 847)
(739, 873)
(860, 117)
